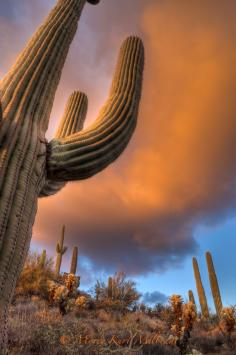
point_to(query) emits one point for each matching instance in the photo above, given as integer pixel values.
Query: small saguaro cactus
(200, 290)
(30, 166)
(191, 297)
(214, 284)
(43, 258)
(74, 261)
(60, 249)
(110, 287)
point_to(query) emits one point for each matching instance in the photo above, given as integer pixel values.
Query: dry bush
(184, 316)
(228, 321)
(34, 277)
(124, 293)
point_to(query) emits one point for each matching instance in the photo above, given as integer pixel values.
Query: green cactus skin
(110, 288)
(214, 284)
(27, 160)
(60, 249)
(74, 261)
(200, 290)
(71, 123)
(43, 258)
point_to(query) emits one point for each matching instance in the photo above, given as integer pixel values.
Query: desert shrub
(124, 294)
(34, 277)
(184, 316)
(63, 292)
(228, 321)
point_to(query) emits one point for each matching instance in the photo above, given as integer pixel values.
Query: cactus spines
(60, 249)
(74, 260)
(110, 288)
(27, 160)
(200, 290)
(214, 284)
(43, 258)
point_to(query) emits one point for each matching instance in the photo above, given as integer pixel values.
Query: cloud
(154, 297)
(179, 170)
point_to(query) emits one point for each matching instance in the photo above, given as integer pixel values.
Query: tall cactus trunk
(200, 290)
(214, 284)
(30, 166)
(74, 261)
(27, 94)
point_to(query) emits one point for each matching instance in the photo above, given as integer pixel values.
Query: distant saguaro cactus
(214, 284)
(192, 298)
(60, 249)
(43, 258)
(74, 261)
(110, 287)
(29, 165)
(200, 290)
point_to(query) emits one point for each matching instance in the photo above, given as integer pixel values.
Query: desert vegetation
(51, 315)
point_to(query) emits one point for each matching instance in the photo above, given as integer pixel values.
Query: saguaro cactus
(29, 165)
(74, 261)
(110, 288)
(214, 284)
(43, 258)
(60, 249)
(192, 298)
(200, 290)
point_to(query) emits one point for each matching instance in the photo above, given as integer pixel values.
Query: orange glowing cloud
(179, 170)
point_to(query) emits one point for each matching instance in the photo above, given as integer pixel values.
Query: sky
(172, 193)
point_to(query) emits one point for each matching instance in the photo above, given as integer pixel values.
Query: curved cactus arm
(71, 122)
(84, 154)
(64, 249)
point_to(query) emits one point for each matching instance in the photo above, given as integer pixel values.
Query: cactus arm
(63, 250)
(74, 116)
(71, 122)
(74, 261)
(84, 154)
